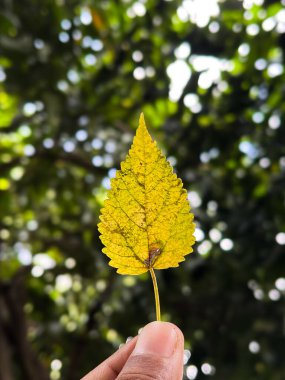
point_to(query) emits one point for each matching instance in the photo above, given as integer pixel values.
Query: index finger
(111, 367)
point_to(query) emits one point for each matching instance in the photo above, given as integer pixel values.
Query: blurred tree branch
(54, 157)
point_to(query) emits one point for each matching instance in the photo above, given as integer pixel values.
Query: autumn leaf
(146, 223)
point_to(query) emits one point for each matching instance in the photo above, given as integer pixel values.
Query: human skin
(156, 354)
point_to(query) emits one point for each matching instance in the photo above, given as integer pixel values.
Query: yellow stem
(156, 294)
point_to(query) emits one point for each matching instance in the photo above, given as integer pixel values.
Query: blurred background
(74, 77)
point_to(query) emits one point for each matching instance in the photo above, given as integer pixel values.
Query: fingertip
(167, 326)
(160, 338)
(158, 353)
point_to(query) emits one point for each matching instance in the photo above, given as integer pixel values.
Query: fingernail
(158, 338)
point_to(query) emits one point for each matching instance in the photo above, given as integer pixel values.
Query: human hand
(156, 354)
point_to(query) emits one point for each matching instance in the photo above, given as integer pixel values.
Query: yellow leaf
(146, 222)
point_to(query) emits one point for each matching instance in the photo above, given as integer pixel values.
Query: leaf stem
(156, 294)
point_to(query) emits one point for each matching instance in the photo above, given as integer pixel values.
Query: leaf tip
(142, 124)
(142, 130)
(142, 120)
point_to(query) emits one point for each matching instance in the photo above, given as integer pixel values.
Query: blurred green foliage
(74, 76)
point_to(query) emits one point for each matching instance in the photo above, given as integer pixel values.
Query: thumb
(158, 354)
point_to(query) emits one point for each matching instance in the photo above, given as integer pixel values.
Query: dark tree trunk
(15, 328)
